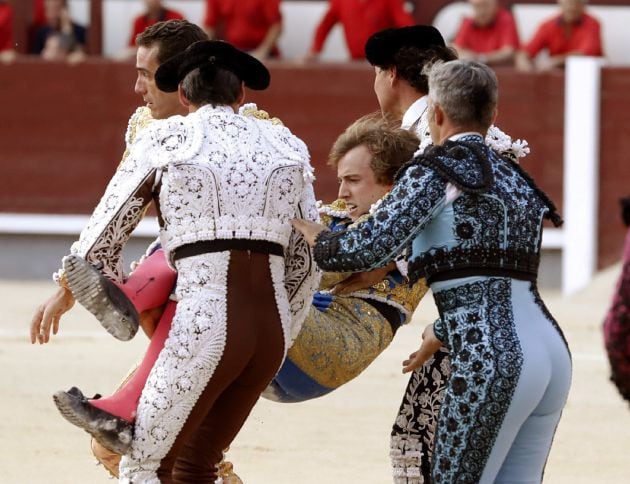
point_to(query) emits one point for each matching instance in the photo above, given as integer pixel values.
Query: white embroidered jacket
(213, 175)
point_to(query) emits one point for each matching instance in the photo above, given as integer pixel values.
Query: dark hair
(210, 84)
(389, 145)
(410, 61)
(171, 37)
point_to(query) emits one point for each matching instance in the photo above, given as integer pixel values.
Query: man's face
(572, 10)
(53, 9)
(383, 90)
(162, 104)
(153, 4)
(357, 184)
(484, 11)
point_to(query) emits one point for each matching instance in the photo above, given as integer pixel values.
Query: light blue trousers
(510, 380)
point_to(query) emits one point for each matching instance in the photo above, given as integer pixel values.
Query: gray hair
(211, 85)
(467, 91)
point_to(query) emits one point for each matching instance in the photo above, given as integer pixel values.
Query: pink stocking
(124, 402)
(150, 285)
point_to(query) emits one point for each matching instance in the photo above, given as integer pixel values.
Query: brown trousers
(252, 356)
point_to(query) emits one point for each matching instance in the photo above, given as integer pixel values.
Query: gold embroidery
(137, 123)
(406, 298)
(335, 345)
(261, 114)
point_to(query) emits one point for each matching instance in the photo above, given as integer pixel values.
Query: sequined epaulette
(138, 121)
(336, 215)
(465, 163)
(337, 209)
(254, 112)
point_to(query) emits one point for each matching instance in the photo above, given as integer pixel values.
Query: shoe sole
(102, 298)
(103, 430)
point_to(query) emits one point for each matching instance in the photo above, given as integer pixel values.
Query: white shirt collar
(413, 113)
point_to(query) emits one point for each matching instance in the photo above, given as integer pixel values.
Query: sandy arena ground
(340, 438)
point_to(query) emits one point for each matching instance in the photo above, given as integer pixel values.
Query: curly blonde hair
(389, 145)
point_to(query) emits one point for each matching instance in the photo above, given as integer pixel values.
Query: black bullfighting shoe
(110, 431)
(102, 298)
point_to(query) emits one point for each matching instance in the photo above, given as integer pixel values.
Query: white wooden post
(581, 171)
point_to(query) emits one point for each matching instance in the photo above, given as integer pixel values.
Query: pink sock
(124, 402)
(150, 285)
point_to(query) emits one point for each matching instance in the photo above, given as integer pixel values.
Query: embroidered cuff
(323, 248)
(60, 279)
(403, 268)
(439, 330)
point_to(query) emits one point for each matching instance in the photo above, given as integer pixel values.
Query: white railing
(45, 224)
(582, 101)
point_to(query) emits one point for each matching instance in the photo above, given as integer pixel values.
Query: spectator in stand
(250, 25)
(360, 19)
(489, 36)
(155, 11)
(39, 15)
(571, 32)
(66, 35)
(39, 20)
(58, 47)
(7, 52)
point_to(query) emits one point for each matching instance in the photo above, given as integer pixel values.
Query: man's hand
(430, 344)
(7, 56)
(465, 54)
(149, 320)
(261, 54)
(522, 62)
(309, 58)
(551, 63)
(362, 280)
(309, 229)
(48, 315)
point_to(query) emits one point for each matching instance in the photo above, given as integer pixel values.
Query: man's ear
(182, 99)
(241, 99)
(438, 115)
(393, 75)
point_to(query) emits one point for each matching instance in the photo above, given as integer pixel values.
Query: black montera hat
(205, 53)
(381, 47)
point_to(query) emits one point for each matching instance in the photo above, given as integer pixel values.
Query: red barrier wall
(62, 128)
(614, 173)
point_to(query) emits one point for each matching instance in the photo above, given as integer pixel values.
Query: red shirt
(360, 19)
(244, 23)
(582, 37)
(39, 17)
(489, 38)
(6, 27)
(141, 22)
